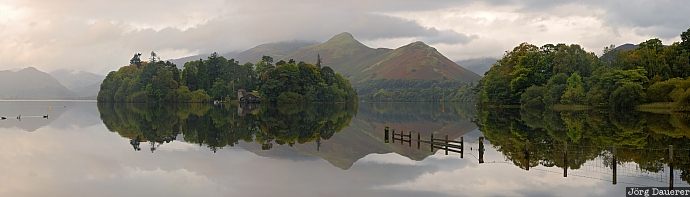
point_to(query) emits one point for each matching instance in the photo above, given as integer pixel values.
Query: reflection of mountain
(364, 136)
(70, 113)
(325, 131)
(531, 138)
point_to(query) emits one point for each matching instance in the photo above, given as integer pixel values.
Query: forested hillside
(567, 74)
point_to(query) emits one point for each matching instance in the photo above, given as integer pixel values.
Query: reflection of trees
(217, 127)
(531, 137)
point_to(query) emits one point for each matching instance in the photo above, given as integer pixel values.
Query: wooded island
(219, 79)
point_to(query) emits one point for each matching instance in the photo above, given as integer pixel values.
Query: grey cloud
(448, 37)
(100, 35)
(225, 34)
(665, 19)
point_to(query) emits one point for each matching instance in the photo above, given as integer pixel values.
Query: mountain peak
(27, 69)
(343, 38)
(344, 35)
(417, 44)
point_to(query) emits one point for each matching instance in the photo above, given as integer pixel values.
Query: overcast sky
(102, 35)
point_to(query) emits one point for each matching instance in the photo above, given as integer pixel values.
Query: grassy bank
(659, 107)
(562, 107)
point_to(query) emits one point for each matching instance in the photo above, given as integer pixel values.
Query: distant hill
(83, 84)
(417, 61)
(360, 63)
(278, 50)
(478, 65)
(613, 53)
(30, 83)
(343, 53)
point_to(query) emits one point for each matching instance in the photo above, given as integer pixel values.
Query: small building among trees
(247, 97)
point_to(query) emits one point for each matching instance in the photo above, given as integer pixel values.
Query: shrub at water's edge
(567, 75)
(219, 79)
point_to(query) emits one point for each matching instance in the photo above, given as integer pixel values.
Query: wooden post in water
(565, 160)
(462, 147)
(670, 166)
(385, 134)
(431, 142)
(419, 140)
(481, 149)
(614, 162)
(446, 144)
(527, 155)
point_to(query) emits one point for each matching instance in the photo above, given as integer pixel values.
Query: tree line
(567, 74)
(218, 79)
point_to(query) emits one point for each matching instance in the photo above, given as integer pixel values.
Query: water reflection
(220, 126)
(335, 151)
(655, 143)
(288, 131)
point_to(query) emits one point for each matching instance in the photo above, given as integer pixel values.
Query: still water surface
(90, 149)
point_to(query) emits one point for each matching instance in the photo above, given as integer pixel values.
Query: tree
(533, 97)
(136, 60)
(627, 96)
(660, 91)
(683, 104)
(685, 40)
(574, 91)
(318, 60)
(158, 81)
(555, 88)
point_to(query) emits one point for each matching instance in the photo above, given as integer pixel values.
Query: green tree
(533, 97)
(555, 89)
(574, 91)
(627, 96)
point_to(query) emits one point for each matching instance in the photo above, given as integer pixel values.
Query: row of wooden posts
(459, 147)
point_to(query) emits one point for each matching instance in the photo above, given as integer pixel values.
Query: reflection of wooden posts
(419, 140)
(318, 144)
(431, 144)
(402, 137)
(481, 149)
(527, 155)
(565, 160)
(670, 166)
(462, 146)
(409, 139)
(385, 134)
(614, 165)
(393, 137)
(446, 140)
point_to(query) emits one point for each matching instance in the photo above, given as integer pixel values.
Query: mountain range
(358, 62)
(31, 83)
(478, 65)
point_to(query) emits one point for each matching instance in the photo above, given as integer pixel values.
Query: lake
(89, 149)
